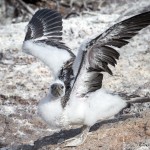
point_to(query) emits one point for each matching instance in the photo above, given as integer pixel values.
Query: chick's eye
(61, 86)
(52, 87)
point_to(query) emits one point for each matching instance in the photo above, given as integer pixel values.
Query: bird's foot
(79, 139)
(75, 142)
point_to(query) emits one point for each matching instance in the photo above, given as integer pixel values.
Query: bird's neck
(52, 98)
(53, 57)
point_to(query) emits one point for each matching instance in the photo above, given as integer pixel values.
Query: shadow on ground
(66, 134)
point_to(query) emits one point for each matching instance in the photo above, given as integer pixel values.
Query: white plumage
(53, 57)
(98, 106)
(51, 110)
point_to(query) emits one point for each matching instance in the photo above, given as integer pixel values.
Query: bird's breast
(51, 112)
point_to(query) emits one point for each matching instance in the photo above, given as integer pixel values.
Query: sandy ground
(24, 80)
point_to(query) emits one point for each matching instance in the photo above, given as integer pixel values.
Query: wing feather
(45, 23)
(101, 51)
(102, 48)
(46, 27)
(93, 82)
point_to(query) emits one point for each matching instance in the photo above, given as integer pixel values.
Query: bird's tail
(139, 100)
(133, 101)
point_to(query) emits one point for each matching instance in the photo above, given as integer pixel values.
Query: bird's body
(80, 110)
(84, 102)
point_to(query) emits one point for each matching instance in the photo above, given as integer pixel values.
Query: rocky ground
(24, 80)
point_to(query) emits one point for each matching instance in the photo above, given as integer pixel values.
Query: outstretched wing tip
(104, 46)
(102, 50)
(45, 22)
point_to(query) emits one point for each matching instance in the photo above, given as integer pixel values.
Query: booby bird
(87, 103)
(43, 40)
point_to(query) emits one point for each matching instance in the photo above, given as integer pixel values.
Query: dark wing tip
(45, 22)
(102, 48)
(94, 82)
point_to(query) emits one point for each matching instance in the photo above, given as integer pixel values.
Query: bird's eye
(61, 86)
(53, 86)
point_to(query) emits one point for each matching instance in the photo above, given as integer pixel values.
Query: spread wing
(45, 23)
(46, 27)
(101, 50)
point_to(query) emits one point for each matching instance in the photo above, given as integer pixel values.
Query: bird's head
(57, 89)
